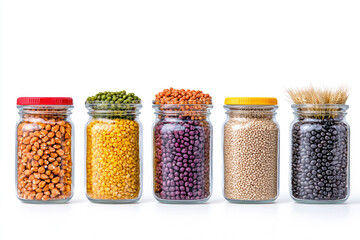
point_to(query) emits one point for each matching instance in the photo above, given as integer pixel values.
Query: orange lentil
(190, 102)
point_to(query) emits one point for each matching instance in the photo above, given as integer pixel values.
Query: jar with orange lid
(251, 150)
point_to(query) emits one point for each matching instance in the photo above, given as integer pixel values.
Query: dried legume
(182, 154)
(250, 157)
(44, 166)
(113, 148)
(319, 160)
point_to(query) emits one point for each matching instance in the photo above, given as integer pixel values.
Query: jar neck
(251, 111)
(183, 111)
(130, 111)
(320, 111)
(44, 111)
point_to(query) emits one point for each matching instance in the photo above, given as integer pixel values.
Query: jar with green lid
(251, 150)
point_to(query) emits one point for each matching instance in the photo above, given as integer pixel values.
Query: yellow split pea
(113, 159)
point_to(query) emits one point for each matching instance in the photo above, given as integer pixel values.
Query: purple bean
(183, 172)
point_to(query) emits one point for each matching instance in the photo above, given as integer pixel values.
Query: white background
(226, 48)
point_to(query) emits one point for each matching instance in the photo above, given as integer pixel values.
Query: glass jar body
(251, 154)
(113, 157)
(182, 157)
(320, 157)
(44, 154)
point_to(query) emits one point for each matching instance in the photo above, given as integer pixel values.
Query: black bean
(319, 160)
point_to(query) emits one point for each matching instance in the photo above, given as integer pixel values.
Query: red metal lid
(44, 101)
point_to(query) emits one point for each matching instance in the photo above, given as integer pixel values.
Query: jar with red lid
(44, 149)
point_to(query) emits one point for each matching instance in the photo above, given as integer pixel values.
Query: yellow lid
(250, 101)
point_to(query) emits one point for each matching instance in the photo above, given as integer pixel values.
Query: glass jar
(44, 150)
(251, 150)
(320, 154)
(182, 136)
(113, 153)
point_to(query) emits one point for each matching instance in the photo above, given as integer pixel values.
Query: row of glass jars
(182, 152)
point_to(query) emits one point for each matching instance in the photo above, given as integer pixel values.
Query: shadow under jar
(182, 136)
(320, 154)
(251, 150)
(44, 150)
(113, 153)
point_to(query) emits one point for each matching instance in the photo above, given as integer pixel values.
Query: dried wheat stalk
(319, 96)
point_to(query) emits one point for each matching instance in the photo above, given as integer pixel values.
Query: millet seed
(250, 158)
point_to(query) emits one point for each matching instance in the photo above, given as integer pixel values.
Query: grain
(36, 156)
(250, 158)
(113, 159)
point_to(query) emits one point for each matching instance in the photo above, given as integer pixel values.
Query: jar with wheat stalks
(320, 151)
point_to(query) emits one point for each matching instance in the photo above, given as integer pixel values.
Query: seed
(46, 187)
(58, 135)
(44, 176)
(35, 163)
(52, 141)
(40, 152)
(45, 198)
(113, 159)
(60, 152)
(250, 157)
(55, 192)
(26, 140)
(181, 96)
(33, 140)
(39, 196)
(38, 142)
(55, 180)
(51, 167)
(42, 184)
(182, 152)
(36, 181)
(55, 128)
(319, 160)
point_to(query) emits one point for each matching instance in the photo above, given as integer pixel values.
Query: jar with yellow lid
(251, 150)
